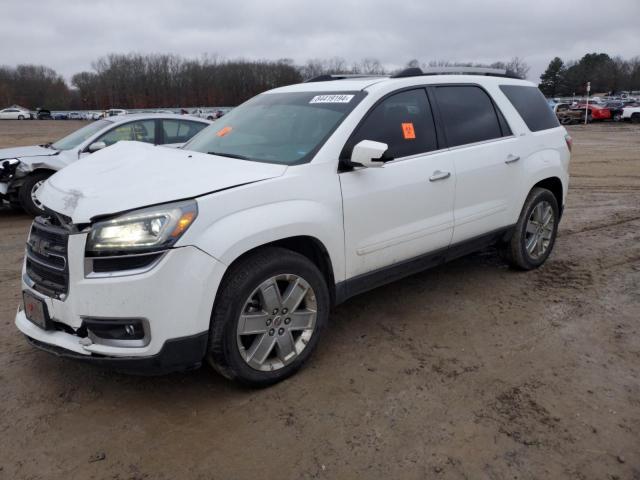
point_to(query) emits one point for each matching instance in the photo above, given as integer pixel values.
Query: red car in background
(595, 112)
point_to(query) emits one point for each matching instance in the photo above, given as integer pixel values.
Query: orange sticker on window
(408, 132)
(222, 132)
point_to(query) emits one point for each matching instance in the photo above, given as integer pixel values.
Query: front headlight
(144, 230)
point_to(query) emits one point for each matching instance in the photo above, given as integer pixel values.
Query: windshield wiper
(230, 155)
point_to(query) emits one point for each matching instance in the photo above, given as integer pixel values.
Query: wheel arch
(306, 245)
(50, 171)
(554, 185)
(16, 183)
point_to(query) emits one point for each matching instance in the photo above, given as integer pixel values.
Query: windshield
(285, 128)
(79, 136)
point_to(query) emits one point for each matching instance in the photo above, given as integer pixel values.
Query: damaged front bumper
(173, 299)
(8, 171)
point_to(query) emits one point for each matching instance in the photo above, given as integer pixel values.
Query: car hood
(24, 153)
(132, 175)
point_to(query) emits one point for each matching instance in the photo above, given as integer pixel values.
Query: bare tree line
(164, 80)
(33, 85)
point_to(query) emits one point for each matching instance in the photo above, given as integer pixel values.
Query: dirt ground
(466, 371)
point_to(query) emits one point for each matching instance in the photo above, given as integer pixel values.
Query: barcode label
(331, 99)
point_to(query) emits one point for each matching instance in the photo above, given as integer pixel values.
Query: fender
(235, 221)
(268, 223)
(16, 182)
(545, 164)
(229, 237)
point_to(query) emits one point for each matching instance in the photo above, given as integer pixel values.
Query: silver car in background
(24, 169)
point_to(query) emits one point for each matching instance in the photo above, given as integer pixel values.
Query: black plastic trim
(176, 355)
(370, 280)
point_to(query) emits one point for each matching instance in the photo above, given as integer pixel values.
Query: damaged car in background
(24, 169)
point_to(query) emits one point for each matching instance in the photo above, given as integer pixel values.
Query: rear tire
(20, 117)
(635, 118)
(257, 337)
(28, 202)
(535, 232)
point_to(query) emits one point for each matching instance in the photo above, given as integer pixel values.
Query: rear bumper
(178, 354)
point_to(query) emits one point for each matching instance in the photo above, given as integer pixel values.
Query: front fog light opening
(118, 332)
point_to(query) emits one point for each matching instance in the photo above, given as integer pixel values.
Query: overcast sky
(68, 35)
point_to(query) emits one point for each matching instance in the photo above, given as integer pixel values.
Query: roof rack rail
(416, 72)
(340, 76)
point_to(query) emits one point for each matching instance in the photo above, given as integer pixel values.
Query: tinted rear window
(532, 106)
(468, 115)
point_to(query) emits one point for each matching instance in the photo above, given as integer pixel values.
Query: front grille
(47, 257)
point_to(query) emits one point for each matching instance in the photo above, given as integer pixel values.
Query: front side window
(76, 138)
(141, 131)
(403, 121)
(180, 131)
(285, 128)
(468, 115)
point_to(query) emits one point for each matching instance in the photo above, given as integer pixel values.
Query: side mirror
(95, 146)
(368, 153)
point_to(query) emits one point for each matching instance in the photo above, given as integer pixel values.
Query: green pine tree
(551, 80)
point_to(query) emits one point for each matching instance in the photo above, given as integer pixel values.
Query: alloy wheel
(34, 197)
(277, 322)
(539, 232)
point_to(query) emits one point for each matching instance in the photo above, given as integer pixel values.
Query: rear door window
(469, 115)
(403, 121)
(180, 131)
(531, 105)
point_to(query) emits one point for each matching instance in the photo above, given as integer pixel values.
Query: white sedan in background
(24, 169)
(114, 112)
(14, 113)
(631, 113)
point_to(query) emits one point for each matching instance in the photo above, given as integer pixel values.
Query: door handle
(439, 175)
(511, 159)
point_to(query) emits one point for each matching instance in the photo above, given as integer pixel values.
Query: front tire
(268, 316)
(535, 232)
(26, 194)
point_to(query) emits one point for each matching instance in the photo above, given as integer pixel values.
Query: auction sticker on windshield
(331, 99)
(222, 132)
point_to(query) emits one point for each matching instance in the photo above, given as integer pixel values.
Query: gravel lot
(469, 370)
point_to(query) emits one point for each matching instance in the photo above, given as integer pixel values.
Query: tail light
(569, 140)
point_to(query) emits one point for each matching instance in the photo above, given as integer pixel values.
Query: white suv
(234, 248)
